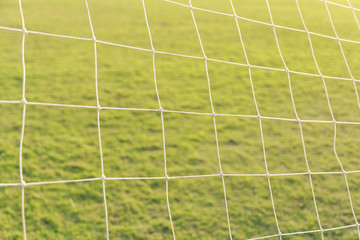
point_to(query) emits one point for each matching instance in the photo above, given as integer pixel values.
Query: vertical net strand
(214, 120)
(162, 122)
(259, 117)
(297, 117)
(23, 101)
(103, 178)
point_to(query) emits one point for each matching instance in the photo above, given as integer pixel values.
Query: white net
(221, 172)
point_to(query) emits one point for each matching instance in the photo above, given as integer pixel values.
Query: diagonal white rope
(260, 121)
(162, 121)
(306, 232)
(354, 14)
(98, 123)
(176, 111)
(187, 56)
(264, 23)
(297, 117)
(180, 177)
(214, 119)
(349, 6)
(225, 14)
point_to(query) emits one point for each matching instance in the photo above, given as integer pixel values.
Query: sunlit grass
(61, 143)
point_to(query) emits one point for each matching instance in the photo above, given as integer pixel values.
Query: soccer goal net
(179, 119)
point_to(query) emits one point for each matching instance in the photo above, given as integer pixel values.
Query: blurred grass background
(61, 143)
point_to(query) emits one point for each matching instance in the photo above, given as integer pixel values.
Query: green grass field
(61, 143)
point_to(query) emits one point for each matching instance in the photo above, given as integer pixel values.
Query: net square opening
(250, 208)
(67, 17)
(60, 70)
(10, 131)
(295, 48)
(319, 142)
(132, 143)
(272, 93)
(125, 78)
(182, 83)
(331, 193)
(11, 73)
(260, 44)
(231, 89)
(10, 213)
(219, 36)
(295, 208)
(190, 144)
(283, 146)
(120, 22)
(258, 10)
(60, 143)
(316, 21)
(347, 142)
(343, 99)
(65, 211)
(329, 57)
(344, 21)
(240, 145)
(310, 97)
(172, 28)
(195, 208)
(137, 209)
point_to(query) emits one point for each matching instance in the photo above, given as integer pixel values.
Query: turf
(61, 143)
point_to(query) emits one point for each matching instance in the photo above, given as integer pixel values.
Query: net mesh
(260, 117)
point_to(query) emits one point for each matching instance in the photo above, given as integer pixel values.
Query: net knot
(24, 30)
(103, 177)
(98, 107)
(23, 184)
(167, 177)
(221, 173)
(94, 38)
(23, 100)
